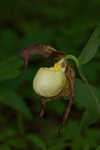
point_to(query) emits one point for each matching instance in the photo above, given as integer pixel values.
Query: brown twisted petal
(39, 49)
(66, 91)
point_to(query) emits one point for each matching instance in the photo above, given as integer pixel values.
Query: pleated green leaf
(91, 47)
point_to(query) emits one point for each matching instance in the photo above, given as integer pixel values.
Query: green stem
(74, 59)
(90, 90)
(84, 79)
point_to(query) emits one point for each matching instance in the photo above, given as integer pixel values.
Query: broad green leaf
(87, 147)
(58, 146)
(7, 134)
(83, 96)
(91, 71)
(37, 141)
(17, 143)
(98, 148)
(10, 68)
(93, 136)
(4, 147)
(70, 131)
(89, 118)
(91, 47)
(9, 97)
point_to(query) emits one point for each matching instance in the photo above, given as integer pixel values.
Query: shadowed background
(67, 26)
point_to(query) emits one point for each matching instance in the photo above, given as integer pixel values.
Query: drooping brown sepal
(39, 49)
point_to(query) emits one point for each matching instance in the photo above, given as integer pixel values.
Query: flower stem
(84, 79)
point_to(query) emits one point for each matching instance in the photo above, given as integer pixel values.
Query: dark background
(66, 25)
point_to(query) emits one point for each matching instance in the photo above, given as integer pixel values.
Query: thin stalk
(84, 79)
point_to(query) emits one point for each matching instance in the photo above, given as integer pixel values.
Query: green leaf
(58, 146)
(98, 148)
(89, 118)
(9, 97)
(16, 143)
(4, 147)
(91, 47)
(7, 134)
(37, 141)
(87, 147)
(91, 71)
(10, 68)
(83, 96)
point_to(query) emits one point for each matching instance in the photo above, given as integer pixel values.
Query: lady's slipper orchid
(49, 82)
(53, 82)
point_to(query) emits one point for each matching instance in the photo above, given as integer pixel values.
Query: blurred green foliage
(67, 26)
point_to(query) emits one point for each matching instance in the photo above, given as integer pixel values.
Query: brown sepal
(39, 49)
